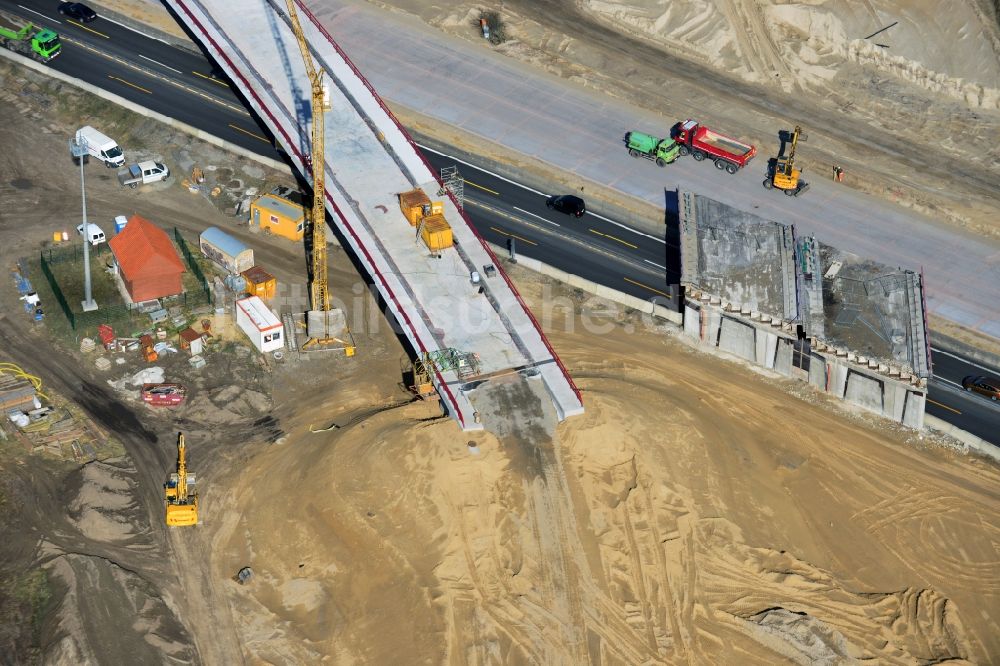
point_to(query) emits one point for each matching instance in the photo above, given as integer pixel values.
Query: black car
(78, 11)
(987, 387)
(567, 203)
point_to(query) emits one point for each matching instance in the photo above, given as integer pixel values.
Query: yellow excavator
(181, 496)
(781, 171)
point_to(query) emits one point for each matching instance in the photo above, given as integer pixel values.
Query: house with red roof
(146, 261)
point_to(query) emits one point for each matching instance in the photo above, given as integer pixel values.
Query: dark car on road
(988, 387)
(568, 204)
(78, 11)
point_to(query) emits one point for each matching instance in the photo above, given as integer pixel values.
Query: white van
(101, 147)
(96, 236)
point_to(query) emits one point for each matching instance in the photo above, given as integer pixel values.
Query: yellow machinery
(423, 386)
(781, 171)
(181, 496)
(320, 318)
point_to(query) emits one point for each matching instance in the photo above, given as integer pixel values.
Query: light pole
(78, 149)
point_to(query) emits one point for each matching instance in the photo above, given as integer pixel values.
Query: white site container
(262, 326)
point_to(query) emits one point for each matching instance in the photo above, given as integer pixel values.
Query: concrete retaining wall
(645, 307)
(970, 441)
(770, 346)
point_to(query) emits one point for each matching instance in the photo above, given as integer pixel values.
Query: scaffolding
(466, 364)
(454, 183)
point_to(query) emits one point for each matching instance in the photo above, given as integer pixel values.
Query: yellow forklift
(781, 171)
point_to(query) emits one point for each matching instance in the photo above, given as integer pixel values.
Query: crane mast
(319, 291)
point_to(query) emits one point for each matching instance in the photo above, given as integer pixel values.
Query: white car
(96, 235)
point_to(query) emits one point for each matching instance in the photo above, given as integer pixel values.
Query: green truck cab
(661, 151)
(21, 36)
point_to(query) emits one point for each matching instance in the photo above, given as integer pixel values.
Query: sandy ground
(696, 513)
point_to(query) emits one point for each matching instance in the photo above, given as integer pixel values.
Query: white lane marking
(628, 228)
(655, 264)
(534, 191)
(495, 175)
(948, 381)
(159, 63)
(138, 32)
(28, 9)
(554, 224)
(964, 360)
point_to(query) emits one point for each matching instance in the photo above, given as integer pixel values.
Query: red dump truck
(701, 142)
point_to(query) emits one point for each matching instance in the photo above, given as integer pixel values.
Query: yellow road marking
(249, 133)
(148, 92)
(507, 233)
(634, 247)
(80, 25)
(639, 284)
(950, 409)
(232, 107)
(480, 187)
(212, 79)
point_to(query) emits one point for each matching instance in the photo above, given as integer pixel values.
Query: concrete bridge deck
(369, 160)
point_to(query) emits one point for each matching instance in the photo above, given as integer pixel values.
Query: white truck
(101, 146)
(143, 173)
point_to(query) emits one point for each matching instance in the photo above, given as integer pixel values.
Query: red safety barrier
(407, 136)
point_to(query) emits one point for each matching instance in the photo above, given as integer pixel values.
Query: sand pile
(954, 52)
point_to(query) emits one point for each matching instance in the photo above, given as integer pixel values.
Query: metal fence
(116, 314)
(192, 263)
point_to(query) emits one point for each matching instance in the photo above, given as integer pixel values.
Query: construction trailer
(224, 251)
(280, 217)
(260, 324)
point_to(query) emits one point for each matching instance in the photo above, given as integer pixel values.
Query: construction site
(302, 412)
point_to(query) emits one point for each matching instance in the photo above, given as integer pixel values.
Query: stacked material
(16, 393)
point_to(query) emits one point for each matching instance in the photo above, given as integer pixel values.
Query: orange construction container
(436, 233)
(260, 283)
(416, 206)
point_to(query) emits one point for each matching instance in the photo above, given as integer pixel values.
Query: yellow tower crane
(179, 491)
(319, 319)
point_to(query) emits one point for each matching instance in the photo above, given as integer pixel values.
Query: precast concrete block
(713, 324)
(769, 342)
(895, 400)
(838, 379)
(818, 365)
(738, 338)
(865, 391)
(783, 355)
(692, 322)
(913, 409)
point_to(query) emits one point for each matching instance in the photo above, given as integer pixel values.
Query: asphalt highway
(180, 84)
